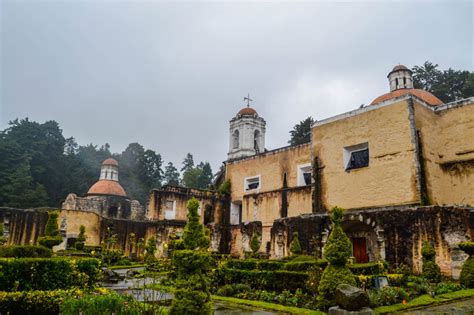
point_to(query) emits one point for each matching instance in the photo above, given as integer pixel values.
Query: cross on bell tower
(248, 99)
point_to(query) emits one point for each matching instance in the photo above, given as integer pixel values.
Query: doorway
(359, 249)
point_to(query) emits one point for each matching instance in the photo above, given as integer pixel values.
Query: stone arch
(360, 226)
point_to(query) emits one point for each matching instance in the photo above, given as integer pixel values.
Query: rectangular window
(356, 156)
(170, 209)
(304, 176)
(252, 183)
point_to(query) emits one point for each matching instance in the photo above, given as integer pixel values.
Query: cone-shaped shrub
(337, 251)
(431, 271)
(81, 238)
(295, 247)
(51, 235)
(467, 272)
(255, 244)
(192, 264)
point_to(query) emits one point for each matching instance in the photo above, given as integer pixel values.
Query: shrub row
(33, 302)
(367, 268)
(305, 265)
(278, 280)
(367, 281)
(47, 273)
(255, 264)
(19, 251)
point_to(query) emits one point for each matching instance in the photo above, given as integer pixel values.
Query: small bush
(111, 303)
(20, 251)
(446, 287)
(51, 235)
(387, 296)
(332, 277)
(255, 244)
(467, 273)
(467, 247)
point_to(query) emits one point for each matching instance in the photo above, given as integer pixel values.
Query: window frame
(246, 183)
(300, 174)
(349, 150)
(170, 214)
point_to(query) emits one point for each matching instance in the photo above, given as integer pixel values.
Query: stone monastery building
(403, 167)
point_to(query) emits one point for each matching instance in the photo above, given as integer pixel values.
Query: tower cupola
(246, 133)
(400, 78)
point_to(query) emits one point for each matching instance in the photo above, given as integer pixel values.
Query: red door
(359, 249)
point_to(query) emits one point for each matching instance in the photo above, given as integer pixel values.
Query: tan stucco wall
(76, 218)
(448, 148)
(271, 167)
(390, 178)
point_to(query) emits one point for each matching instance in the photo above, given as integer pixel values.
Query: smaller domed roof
(399, 67)
(247, 111)
(421, 94)
(110, 161)
(107, 187)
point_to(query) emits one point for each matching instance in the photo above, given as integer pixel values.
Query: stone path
(456, 308)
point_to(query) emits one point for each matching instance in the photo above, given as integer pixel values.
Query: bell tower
(400, 78)
(246, 133)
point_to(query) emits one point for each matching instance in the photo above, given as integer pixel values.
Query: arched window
(235, 139)
(404, 82)
(256, 138)
(396, 82)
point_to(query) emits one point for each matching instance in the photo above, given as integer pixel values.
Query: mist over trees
(40, 167)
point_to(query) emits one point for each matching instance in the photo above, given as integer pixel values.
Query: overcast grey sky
(171, 75)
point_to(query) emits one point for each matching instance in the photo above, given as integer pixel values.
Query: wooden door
(359, 249)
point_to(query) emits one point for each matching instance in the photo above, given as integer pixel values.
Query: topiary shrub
(3, 239)
(295, 247)
(255, 244)
(192, 266)
(431, 271)
(337, 251)
(51, 235)
(81, 238)
(467, 272)
(150, 251)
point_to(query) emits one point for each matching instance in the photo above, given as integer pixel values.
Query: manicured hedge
(305, 265)
(367, 269)
(19, 251)
(255, 264)
(277, 280)
(33, 302)
(47, 273)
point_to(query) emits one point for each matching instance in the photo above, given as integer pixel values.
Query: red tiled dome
(107, 187)
(421, 94)
(110, 161)
(247, 111)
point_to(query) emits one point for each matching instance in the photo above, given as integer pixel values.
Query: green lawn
(267, 306)
(426, 300)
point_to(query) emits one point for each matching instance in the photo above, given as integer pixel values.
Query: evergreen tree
(192, 265)
(150, 250)
(448, 85)
(171, 176)
(295, 247)
(3, 239)
(337, 251)
(188, 162)
(301, 132)
(81, 238)
(51, 235)
(255, 244)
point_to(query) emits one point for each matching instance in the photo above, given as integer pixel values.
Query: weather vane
(248, 99)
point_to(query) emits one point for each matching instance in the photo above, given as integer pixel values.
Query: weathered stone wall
(23, 226)
(447, 137)
(390, 178)
(398, 233)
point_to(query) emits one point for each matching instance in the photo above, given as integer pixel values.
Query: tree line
(40, 167)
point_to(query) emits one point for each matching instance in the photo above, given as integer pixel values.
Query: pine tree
(171, 176)
(301, 132)
(192, 265)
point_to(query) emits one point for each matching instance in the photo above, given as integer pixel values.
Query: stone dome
(247, 111)
(107, 187)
